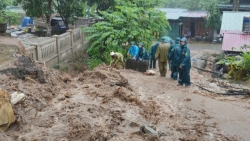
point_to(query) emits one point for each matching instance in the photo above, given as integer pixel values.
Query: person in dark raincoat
(142, 53)
(152, 61)
(174, 58)
(185, 64)
(169, 52)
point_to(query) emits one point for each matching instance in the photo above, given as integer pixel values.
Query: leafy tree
(5, 14)
(121, 26)
(101, 4)
(37, 9)
(110, 4)
(69, 9)
(213, 19)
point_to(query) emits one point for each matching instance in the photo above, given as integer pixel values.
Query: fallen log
(229, 92)
(206, 70)
(207, 60)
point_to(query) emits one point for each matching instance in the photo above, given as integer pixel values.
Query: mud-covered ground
(108, 104)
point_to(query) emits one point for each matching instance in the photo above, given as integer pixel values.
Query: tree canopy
(67, 9)
(193, 4)
(127, 21)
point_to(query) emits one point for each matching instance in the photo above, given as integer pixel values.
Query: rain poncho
(174, 58)
(142, 54)
(133, 51)
(185, 64)
(117, 57)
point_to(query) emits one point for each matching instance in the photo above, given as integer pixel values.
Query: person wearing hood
(152, 61)
(169, 52)
(162, 56)
(133, 50)
(174, 58)
(115, 58)
(142, 53)
(185, 64)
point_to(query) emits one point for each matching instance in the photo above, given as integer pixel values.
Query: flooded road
(193, 45)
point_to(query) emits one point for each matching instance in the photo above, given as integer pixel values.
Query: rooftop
(172, 13)
(176, 13)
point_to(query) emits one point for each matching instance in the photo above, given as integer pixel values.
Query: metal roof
(235, 41)
(176, 13)
(194, 14)
(172, 13)
(232, 22)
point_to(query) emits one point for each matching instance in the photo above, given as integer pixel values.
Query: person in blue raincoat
(152, 60)
(174, 58)
(185, 64)
(142, 53)
(133, 50)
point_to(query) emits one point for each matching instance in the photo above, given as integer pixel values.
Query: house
(173, 16)
(182, 21)
(232, 31)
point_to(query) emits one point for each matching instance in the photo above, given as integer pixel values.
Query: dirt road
(227, 115)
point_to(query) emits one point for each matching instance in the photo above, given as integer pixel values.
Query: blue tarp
(26, 21)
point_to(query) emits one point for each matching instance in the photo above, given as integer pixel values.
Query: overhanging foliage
(123, 25)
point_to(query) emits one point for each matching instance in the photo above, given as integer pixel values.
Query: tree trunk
(49, 18)
(234, 5)
(237, 5)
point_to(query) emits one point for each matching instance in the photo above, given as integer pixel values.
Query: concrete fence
(58, 47)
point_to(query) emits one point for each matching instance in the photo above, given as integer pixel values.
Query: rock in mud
(16, 98)
(146, 129)
(150, 72)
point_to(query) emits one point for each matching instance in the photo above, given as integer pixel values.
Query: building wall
(198, 25)
(175, 29)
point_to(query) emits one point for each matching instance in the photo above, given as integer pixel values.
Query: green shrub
(10, 17)
(92, 63)
(239, 65)
(122, 25)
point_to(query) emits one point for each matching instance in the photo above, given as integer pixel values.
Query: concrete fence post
(71, 39)
(38, 51)
(58, 47)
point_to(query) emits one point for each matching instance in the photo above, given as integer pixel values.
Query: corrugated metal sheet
(235, 41)
(176, 13)
(232, 22)
(172, 13)
(194, 14)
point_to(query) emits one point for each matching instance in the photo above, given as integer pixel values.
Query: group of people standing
(176, 53)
